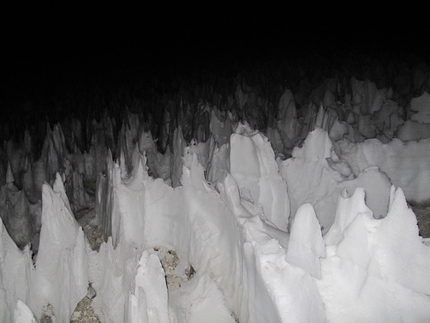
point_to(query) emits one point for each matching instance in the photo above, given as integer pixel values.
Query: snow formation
(283, 214)
(235, 236)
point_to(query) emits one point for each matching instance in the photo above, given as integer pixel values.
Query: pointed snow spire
(347, 209)
(58, 188)
(122, 164)
(9, 175)
(306, 245)
(139, 164)
(15, 268)
(320, 120)
(287, 106)
(178, 149)
(149, 280)
(60, 278)
(23, 314)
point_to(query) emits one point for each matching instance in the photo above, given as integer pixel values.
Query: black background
(48, 49)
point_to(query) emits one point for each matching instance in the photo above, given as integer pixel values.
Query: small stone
(91, 293)
(173, 282)
(190, 272)
(76, 315)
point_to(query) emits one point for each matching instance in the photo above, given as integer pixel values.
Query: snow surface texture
(365, 268)
(395, 159)
(316, 175)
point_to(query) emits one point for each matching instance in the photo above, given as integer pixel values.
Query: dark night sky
(46, 50)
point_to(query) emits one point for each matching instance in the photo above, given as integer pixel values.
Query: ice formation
(397, 159)
(371, 269)
(246, 261)
(304, 220)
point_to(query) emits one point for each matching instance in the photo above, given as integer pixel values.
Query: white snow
(198, 300)
(60, 277)
(306, 244)
(16, 270)
(407, 164)
(315, 174)
(23, 314)
(375, 270)
(148, 300)
(254, 239)
(253, 165)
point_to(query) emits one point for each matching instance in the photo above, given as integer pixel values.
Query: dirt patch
(84, 311)
(94, 233)
(177, 271)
